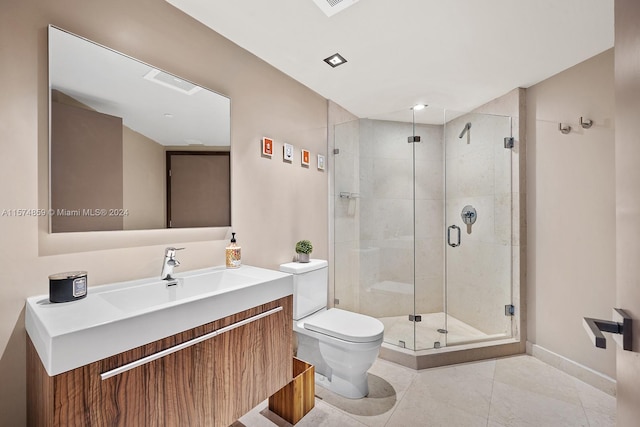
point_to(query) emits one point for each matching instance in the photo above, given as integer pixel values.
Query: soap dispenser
(233, 253)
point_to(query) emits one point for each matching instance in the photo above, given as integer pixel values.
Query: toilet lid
(346, 325)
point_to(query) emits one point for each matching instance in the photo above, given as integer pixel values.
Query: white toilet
(340, 344)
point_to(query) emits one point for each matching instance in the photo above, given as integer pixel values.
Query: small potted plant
(303, 249)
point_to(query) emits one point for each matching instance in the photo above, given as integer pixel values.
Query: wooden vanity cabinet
(210, 383)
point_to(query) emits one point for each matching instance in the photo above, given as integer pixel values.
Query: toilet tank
(310, 286)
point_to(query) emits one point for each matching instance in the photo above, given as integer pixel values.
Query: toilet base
(353, 384)
(354, 388)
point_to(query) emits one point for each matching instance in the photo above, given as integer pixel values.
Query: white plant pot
(303, 257)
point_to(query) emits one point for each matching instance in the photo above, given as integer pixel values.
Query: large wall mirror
(132, 147)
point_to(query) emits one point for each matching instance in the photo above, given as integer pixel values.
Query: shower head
(465, 130)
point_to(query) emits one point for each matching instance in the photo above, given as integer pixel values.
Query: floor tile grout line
(493, 382)
(392, 412)
(343, 412)
(575, 386)
(408, 386)
(415, 377)
(577, 383)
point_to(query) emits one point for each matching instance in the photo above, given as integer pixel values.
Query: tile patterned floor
(512, 391)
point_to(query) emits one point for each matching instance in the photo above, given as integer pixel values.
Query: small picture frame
(304, 157)
(320, 162)
(287, 152)
(267, 146)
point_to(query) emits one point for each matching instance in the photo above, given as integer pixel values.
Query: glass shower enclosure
(423, 225)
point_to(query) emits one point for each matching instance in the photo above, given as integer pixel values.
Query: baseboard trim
(581, 372)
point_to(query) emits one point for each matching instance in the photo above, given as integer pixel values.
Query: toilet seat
(346, 325)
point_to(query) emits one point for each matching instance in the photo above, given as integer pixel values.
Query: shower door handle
(453, 227)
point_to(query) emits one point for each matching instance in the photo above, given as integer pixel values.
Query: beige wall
(86, 168)
(144, 181)
(274, 204)
(571, 210)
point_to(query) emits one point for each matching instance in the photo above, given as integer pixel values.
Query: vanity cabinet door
(252, 361)
(174, 390)
(232, 365)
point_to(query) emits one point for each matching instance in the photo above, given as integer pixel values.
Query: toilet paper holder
(620, 326)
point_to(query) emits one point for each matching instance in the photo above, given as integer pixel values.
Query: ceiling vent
(171, 81)
(331, 7)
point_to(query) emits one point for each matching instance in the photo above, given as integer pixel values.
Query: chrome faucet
(169, 263)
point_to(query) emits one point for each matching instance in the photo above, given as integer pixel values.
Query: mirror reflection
(131, 146)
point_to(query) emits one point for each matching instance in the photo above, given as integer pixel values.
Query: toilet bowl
(340, 344)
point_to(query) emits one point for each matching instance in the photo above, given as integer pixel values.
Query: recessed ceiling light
(335, 60)
(419, 107)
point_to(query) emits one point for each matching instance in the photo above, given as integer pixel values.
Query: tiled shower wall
(374, 228)
(346, 215)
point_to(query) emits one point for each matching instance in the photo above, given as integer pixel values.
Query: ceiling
(115, 84)
(452, 54)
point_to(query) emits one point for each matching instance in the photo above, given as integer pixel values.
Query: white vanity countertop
(120, 316)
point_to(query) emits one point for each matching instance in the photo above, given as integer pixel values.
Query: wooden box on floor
(296, 399)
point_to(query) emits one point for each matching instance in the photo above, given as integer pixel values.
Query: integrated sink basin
(163, 292)
(120, 316)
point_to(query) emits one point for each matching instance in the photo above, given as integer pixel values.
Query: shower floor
(399, 328)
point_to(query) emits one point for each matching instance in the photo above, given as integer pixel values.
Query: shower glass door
(478, 221)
